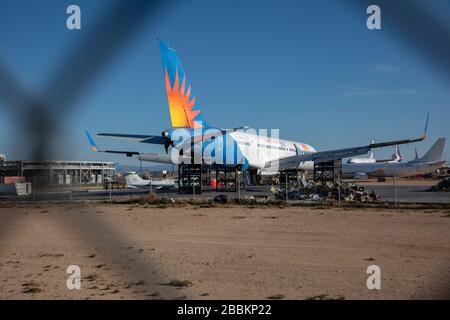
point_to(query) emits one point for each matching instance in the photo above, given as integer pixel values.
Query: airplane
(431, 161)
(371, 159)
(192, 140)
(136, 182)
(396, 157)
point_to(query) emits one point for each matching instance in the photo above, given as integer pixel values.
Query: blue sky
(310, 68)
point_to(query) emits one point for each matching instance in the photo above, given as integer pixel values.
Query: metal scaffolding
(289, 179)
(227, 179)
(196, 178)
(190, 179)
(330, 171)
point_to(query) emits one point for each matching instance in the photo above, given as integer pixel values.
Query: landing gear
(381, 179)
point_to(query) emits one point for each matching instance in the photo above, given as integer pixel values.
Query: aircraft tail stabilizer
(134, 180)
(183, 105)
(435, 152)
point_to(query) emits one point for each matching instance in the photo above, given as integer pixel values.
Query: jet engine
(361, 176)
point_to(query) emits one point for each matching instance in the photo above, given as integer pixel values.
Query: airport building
(58, 173)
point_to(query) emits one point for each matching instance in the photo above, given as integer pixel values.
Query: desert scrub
(180, 283)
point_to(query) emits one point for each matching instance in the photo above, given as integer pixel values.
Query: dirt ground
(145, 252)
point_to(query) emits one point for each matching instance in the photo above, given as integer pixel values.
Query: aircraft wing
(161, 140)
(151, 157)
(324, 156)
(292, 163)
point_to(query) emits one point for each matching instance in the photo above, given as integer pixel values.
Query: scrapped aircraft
(396, 157)
(431, 161)
(371, 159)
(192, 140)
(136, 182)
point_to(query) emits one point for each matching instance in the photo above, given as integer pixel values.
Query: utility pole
(193, 187)
(339, 191)
(287, 192)
(239, 185)
(395, 191)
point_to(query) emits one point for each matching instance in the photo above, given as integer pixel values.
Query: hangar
(58, 173)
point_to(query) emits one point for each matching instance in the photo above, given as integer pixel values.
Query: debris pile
(444, 186)
(255, 199)
(317, 191)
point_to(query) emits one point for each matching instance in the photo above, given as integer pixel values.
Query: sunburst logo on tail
(181, 103)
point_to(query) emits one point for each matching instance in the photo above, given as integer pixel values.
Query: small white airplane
(136, 182)
(192, 139)
(396, 157)
(431, 161)
(371, 159)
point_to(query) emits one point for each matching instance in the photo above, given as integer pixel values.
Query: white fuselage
(389, 169)
(259, 149)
